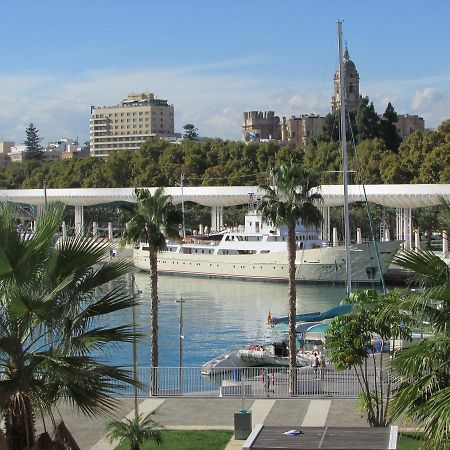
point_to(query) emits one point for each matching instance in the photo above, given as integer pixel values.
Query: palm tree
(136, 431)
(155, 219)
(424, 369)
(52, 302)
(291, 198)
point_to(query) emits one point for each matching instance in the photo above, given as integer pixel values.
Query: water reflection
(219, 315)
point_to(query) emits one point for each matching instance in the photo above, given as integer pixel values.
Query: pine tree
(388, 129)
(34, 150)
(367, 121)
(190, 132)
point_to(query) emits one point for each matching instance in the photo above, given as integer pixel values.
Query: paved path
(317, 413)
(216, 413)
(148, 406)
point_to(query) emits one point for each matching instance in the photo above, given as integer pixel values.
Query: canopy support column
(64, 230)
(325, 226)
(408, 228)
(358, 236)
(444, 242)
(416, 240)
(216, 218)
(404, 227)
(335, 237)
(79, 220)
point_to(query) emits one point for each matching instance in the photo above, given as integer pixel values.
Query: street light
(45, 193)
(182, 203)
(181, 338)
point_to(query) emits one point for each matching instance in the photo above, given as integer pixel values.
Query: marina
(218, 316)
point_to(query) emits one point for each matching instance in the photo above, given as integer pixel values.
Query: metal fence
(251, 382)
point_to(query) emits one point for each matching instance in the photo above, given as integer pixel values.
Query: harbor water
(218, 316)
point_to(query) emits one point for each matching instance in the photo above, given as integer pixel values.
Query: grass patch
(409, 441)
(188, 440)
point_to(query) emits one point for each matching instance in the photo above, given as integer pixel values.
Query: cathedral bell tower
(351, 86)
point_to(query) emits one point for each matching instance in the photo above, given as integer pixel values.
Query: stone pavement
(216, 413)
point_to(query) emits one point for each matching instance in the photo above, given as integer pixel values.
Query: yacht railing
(251, 382)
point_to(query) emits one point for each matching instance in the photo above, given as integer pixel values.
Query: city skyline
(213, 62)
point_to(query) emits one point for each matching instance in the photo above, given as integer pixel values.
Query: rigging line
(330, 52)
(226, 177)
(19, 206)
(372, 232)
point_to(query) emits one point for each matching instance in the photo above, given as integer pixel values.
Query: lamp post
(181, 338)
(45, 193)
(181, 184)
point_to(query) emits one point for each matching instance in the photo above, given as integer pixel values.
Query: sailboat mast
(344, 161)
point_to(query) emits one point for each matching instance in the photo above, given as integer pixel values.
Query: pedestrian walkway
(216, 413)
(148, 406)
(317, 413)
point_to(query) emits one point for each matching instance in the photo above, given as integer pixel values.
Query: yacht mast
(344, 160)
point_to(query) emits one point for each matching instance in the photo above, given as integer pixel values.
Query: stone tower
(351, 85)
(261, 125)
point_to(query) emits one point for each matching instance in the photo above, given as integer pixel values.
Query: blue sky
(214, 60)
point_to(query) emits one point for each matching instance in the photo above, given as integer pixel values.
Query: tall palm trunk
(154, 320)
(19, 423)
(154, 296)
(292, 306)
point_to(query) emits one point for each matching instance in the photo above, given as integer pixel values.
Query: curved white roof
(393, 195)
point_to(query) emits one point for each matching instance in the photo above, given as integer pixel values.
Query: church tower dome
(351, 85)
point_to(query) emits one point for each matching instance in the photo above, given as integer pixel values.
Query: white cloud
(426, 98)
(212, 96)
(433, 104)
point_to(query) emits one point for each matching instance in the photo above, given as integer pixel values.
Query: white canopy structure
(392, 195)
(403, 197)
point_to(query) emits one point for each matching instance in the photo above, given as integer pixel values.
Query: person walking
(322, 365)
(315, 364)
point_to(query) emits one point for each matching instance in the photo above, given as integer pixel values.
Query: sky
(213, 60)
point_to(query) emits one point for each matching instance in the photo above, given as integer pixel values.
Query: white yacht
(259, 252)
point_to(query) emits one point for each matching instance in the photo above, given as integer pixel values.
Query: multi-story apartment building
(5, 149)
(129, 124)
(16, 153)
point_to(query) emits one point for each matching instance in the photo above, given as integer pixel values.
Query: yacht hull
(325, 264)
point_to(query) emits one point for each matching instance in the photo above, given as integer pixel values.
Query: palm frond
(429, 268)
(99, 338)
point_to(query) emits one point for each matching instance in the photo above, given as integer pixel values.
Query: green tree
(324, 158)
(367, 121)
(427, 219)
(136, 431)
(436, 165)
(330, 131)
(388, 128)
(424, 369)
(155, 219)
(145, 164)
(190, 132)
(291, 197)
(349, 345)
(118, 170)
(368, 156)
(52, 299)
(331, 128)
(32, 142)
(392, 170)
